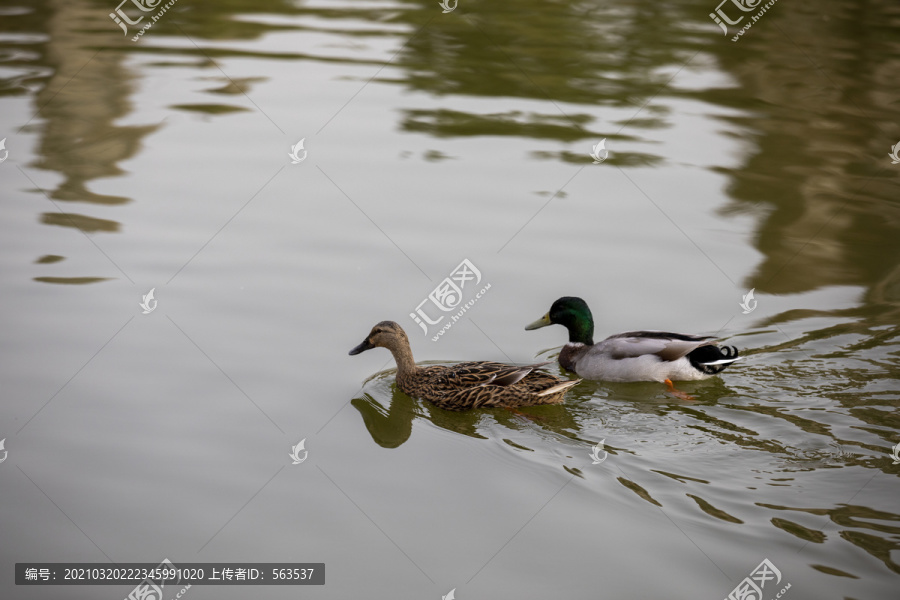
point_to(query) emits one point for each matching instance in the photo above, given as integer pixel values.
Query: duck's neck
(581, 331)
(406, 366)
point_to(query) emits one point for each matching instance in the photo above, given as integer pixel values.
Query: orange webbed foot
(522, 415)
(678, 393)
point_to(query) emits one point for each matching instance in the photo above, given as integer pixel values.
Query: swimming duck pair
(632, 356)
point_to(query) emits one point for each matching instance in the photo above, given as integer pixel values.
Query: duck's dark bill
(542, 322)
(365, 345)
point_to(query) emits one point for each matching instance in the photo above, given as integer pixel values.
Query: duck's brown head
(386, 334)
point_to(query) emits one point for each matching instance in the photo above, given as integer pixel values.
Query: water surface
(432, 138)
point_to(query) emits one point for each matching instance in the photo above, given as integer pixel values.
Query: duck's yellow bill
(542, 322)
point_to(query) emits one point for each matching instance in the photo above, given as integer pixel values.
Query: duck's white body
(626, 357)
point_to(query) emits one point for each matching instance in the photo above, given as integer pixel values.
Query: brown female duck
(465, 385)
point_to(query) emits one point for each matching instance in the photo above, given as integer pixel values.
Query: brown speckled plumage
(469, 384)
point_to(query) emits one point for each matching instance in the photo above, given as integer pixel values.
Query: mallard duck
(635, 355)
(465, 385)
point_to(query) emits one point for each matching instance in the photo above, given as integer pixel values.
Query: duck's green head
(572, 313)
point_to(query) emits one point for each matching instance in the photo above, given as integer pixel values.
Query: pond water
(172, 164)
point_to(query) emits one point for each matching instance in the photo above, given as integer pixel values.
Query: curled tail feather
(711, 359)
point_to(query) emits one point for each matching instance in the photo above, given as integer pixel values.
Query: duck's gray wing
(667, 346)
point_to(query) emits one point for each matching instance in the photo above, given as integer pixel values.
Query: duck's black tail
(713, 359)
